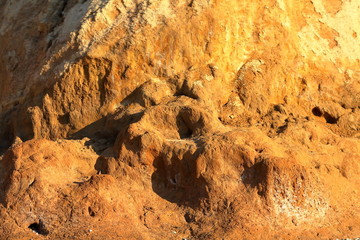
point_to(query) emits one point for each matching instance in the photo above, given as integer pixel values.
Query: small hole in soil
(317, 112)
(189, 217)
(173, 181)
(91, 212)
(259, 150)
(64, 119)
(39, 228)
(330, 119)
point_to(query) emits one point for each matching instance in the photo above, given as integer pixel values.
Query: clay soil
(179, 120)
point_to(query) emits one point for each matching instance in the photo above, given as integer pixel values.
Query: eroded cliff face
(170, 119)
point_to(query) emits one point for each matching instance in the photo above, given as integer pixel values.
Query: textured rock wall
(207, 118)
(66, 64)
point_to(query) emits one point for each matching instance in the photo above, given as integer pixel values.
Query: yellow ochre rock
(170, 119)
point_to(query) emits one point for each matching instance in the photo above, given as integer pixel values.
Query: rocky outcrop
(179, 119)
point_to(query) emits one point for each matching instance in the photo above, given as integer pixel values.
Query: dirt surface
(166, 119)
